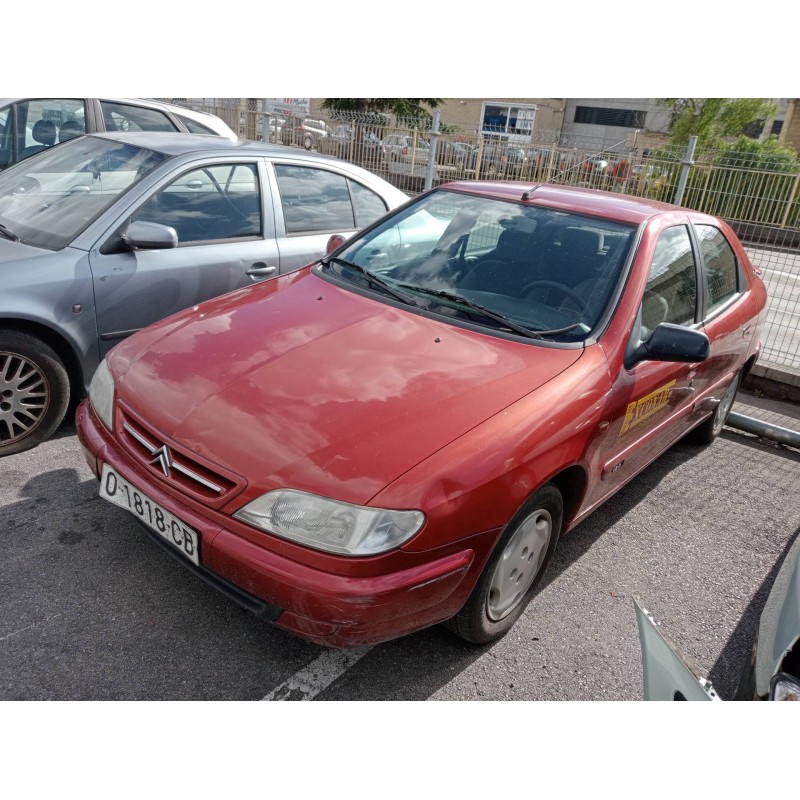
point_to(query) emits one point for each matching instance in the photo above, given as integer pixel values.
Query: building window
(504, 120)
(615, 117)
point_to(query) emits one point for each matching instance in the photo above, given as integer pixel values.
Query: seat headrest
(582, 241)
(71, 129)
(519, 224)
(44, 132)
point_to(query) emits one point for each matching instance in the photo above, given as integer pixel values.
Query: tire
(513, 573)
(706, 432)
(34, 392)
(308, 142)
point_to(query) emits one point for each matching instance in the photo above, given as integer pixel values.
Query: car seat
(71, 129)
(44, 132)
(579, 258)
(655, 310)
(509, 267)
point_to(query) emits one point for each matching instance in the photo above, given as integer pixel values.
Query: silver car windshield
(50, 198)
(548, 271)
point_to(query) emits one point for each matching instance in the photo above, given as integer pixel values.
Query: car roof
(593, 202)
(175, 144)
(179, 144)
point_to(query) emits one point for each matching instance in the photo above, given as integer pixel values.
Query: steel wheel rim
(725, 405)
(519, 564)
(24, 397)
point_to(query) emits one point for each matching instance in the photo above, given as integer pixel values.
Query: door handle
(261, 271)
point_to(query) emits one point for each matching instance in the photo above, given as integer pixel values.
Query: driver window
(220, 201)
(671, 292)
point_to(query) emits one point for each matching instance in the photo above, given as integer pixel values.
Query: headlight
(784, 687)
(330, 525)
(101, 394)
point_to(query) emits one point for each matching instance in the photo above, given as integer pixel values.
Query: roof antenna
(527, 195)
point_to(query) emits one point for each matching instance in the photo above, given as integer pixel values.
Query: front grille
(174, 465)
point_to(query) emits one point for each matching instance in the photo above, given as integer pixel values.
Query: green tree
(399, 106)
(713, 119)
(771, 155)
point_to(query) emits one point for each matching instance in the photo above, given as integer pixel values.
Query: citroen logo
(162, 458)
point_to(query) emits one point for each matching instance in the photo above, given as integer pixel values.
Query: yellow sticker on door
(645, 407)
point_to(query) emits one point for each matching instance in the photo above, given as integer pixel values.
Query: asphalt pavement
(92, 609)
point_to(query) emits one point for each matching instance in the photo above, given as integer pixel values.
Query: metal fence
(759, 197)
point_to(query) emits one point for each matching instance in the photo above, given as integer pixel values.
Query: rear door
(226, 239)
(314, 202)
(726, 319)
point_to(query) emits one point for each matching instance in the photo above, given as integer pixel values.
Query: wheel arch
(62, 347)
(748, 365)
(572, 483)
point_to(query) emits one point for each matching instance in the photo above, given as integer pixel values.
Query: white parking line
(318, 675)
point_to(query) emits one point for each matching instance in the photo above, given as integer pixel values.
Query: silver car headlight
(784, 687)
(330, 525)
(101, 394)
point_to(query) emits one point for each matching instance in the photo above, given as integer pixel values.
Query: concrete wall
(656, 120)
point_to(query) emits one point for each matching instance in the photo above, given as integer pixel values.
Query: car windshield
(48, 199)
(546, 271)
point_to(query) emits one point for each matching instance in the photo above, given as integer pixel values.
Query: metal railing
(759, 198)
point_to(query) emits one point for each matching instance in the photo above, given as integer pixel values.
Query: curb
(780, 383)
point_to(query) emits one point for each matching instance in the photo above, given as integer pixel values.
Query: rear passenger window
(721, 271)
(195, 127)
(314, 200)
(122, 117)
(368, 205)
(671, 292)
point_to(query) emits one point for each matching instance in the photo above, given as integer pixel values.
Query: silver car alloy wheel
(725, 405)
(24, 396)
(519, 565)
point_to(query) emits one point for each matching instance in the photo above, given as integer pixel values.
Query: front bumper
(354, 602)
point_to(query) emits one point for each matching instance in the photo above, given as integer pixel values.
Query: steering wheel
(565, 290)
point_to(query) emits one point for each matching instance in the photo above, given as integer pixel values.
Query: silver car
(773, 671)
(107, 233)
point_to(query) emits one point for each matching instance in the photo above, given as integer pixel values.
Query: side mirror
(142, 235)
(670, 342)
(334, 243)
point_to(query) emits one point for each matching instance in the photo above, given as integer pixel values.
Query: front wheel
(34, 392)
(712, 427)
(308, 142)
(514, 570)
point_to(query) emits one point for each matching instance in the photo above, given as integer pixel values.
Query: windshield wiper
(463, 301)
(374, 279)
(8, 233)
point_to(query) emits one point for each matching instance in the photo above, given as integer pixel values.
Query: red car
(397, 435)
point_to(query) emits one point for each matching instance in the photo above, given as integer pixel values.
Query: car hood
(299, 382)
(16, 252)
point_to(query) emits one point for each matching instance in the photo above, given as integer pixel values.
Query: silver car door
(667, 675)
(314, 202)
(226, 239)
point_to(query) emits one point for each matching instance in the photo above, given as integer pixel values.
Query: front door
(650, 405)
(225, 241)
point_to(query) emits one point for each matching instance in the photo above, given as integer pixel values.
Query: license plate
(115, 489)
